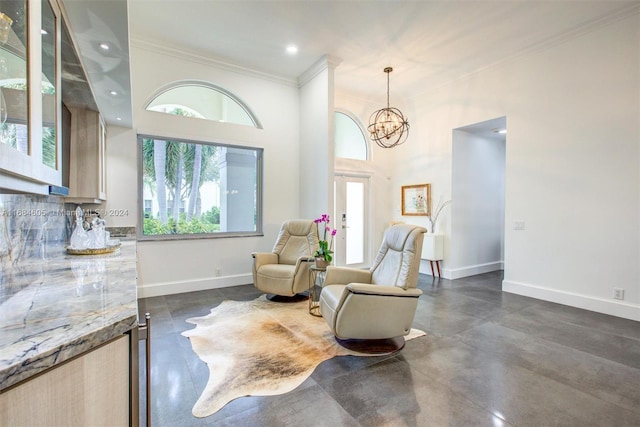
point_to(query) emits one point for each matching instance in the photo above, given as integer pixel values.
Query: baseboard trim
(600, 305)
(169, 288)
(472, 270)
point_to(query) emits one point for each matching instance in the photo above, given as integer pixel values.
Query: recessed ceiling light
(43, 32)
(292, 49)
(104, 46)
(113, 92)
(118, 118)
(502, 131)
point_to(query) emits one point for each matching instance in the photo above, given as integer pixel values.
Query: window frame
(191, 236)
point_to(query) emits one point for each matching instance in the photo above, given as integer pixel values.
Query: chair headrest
(298, 227)
(297, 238)
(398, 259)
(396, 236)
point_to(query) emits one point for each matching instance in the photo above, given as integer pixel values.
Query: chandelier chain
(388, 72)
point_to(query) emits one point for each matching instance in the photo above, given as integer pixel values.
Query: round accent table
(316, 279)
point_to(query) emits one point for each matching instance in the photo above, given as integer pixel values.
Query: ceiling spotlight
(118, 118)
(501, 131)
(292, 49)
(44, 32)
(104, 46)
(387, 126)
(113, 92)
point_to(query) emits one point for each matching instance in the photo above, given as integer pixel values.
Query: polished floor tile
(489, 359)
(600, 377)
(588, 339)
(512, 392)
(392, 393)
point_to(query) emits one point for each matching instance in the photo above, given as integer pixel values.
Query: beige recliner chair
(285, 270)
(378, 303)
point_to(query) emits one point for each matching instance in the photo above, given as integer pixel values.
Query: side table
(316, 278)
(432, 250)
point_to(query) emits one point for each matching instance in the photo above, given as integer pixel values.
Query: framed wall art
(416, 200)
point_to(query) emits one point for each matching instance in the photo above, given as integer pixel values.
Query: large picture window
(194, 189)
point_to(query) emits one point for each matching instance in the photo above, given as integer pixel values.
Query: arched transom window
(204, 101)
(350, 142)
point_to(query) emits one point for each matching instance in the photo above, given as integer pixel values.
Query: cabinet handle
(144, 330)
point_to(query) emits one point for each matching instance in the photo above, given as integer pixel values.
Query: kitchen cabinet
(30, 96)
(91, 389)
(87, 157)
(77, 369)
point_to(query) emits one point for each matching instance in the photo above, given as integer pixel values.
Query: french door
(351, 219)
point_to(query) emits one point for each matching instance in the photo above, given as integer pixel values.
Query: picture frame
(416, 200)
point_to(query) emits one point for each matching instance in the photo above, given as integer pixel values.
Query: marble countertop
(57, 306)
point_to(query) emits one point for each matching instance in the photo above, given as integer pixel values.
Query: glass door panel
(351, 213)
(354, 237)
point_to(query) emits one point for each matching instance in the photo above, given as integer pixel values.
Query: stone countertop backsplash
(56, 306)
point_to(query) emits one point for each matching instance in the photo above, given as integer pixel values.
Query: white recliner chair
(285, 270)
(378, 303)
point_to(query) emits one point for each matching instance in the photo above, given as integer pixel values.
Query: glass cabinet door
(49, 85)
(14, 82)
(30, 82)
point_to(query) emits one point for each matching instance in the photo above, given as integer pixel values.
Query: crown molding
(210, 61)
(324, 63)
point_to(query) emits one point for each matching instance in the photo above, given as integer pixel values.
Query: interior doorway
(478, 193)
(350, 216)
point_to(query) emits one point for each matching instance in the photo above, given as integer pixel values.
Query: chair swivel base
(381, 346)
(282, 298)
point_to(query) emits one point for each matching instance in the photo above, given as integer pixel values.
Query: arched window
(205, 101)
(350, 142)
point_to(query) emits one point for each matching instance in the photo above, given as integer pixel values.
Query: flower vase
(321, 262)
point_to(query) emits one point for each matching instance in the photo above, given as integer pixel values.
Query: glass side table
(316, 279)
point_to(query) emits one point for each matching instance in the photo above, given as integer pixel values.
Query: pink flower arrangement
(325, 246)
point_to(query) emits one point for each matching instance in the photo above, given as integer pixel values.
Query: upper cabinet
(30, 96)
(87, 177)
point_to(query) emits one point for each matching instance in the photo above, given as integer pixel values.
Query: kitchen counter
(58, 306)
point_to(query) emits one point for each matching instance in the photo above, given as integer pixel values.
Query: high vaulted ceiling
(428, 43)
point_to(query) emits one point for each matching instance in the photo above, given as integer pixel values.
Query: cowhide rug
(260, 348)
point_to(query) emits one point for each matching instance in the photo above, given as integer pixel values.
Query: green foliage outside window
(209, 222)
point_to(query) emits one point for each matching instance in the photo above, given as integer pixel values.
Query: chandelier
(387, 126)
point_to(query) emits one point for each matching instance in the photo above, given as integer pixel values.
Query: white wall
(122, 178)
(316, 140)
(572, 163)
(180, 266)
(477, 217)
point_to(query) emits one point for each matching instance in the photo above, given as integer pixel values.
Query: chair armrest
(303, 263)
(393, 291)
(345, 275)
(263, 258)
(305, 259)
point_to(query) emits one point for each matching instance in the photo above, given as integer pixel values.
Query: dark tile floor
(489, 359)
